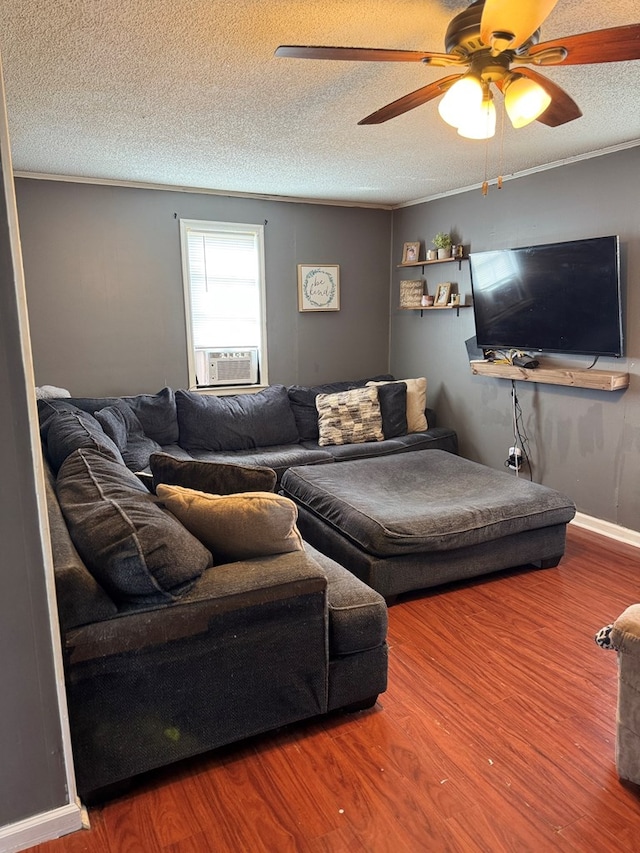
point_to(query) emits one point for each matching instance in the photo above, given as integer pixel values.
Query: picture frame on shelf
(411, 293)
(318, 287)
(442, 294)
(411, 253)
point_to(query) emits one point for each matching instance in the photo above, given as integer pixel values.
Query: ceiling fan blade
(506, 24)
(412, 100)
(365, 54)
(562, 108)
(617, 44)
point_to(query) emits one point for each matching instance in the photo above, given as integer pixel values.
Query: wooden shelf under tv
(597, 380)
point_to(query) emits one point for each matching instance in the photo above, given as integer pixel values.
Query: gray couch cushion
(135, 549)
(122, 425)
(238, 422)
(68, 431)
(278, 457)
(217, 478)
(79, 597)
(423, 501)
(156, 412)
(364, 450)
(48, 408)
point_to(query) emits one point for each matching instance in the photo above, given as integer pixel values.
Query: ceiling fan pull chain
(501, 163)
(485, 183)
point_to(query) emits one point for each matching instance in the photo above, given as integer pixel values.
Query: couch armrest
(625, 633)
(242, 585)
(245, 651)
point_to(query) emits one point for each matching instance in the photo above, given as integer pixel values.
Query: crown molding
(141, 185)
(634, 143)
(108, 182)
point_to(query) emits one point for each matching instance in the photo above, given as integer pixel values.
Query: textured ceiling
(188, 93)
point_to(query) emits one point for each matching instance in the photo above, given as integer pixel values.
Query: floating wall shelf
(422, 308)
(598, 380)
(425, 263)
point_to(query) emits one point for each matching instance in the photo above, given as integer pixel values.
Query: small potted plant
(442, 242)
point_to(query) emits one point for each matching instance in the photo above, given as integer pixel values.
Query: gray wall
(104, 285)
(585, 443)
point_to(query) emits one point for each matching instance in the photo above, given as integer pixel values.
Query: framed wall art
(442, 294)
(318, 287)
(410, 253)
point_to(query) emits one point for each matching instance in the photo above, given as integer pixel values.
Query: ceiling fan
(492, 42)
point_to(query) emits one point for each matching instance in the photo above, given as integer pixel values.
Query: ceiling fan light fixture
(525, 100)
(480, 124)
(461, 100)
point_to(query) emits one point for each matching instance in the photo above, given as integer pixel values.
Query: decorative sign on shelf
(318, 287)
(411, 293)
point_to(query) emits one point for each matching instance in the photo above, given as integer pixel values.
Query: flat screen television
(559, 297)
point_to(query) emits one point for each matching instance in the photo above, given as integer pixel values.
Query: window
(223, 271)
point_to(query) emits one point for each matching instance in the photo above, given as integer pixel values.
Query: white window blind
(223, 269)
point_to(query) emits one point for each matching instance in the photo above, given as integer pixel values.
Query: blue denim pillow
(238, 422)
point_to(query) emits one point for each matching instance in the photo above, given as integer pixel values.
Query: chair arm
(625, 633)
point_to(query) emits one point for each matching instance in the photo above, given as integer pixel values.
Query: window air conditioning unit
(227, 366)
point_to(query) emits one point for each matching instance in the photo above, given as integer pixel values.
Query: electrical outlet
(515, 459)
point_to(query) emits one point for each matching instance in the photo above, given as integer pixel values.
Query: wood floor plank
(496, 735)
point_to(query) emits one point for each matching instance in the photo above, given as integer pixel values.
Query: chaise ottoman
(421, 519)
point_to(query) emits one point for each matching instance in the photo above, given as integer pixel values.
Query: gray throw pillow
(47, 409)
(216, 478)
(69, 431)
(121, 424)
(238, 422)
(393, 408)
(136, 550)
(156, 412)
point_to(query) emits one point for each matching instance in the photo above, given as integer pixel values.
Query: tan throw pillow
(349, 417)
(416, 403)
(236, 527)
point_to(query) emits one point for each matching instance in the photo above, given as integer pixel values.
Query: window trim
(187, 225)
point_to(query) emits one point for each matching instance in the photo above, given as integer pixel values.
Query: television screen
(560, 297)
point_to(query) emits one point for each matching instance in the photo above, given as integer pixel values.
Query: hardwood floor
(496, 734)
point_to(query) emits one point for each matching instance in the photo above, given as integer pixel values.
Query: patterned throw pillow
(349, 417)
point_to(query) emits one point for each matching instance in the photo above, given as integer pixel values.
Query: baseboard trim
(42, 827)
(607, 528)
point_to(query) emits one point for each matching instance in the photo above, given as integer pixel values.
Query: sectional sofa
(192, 614)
